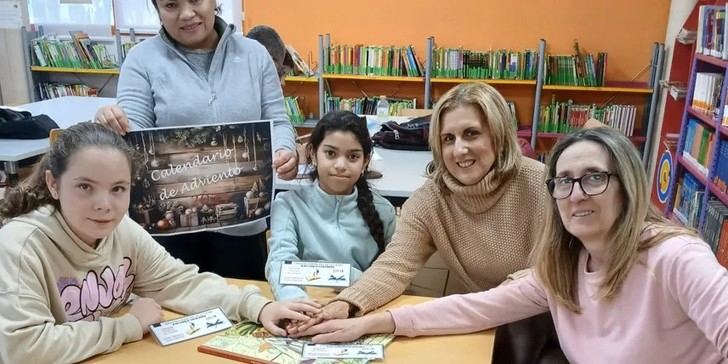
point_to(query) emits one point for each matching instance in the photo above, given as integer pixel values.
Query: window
(137, 14)
(98, 12)
(141, 15)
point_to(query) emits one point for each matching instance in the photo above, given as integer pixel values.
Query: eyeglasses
(591, 184)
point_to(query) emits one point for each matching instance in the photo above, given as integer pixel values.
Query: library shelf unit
(530, 93)
(100, 77)
(88, 71)
(305, 79)
(331, 76)
(485, 80)
(647, 93)
(623, 89)
(643, 95)
(717, 136)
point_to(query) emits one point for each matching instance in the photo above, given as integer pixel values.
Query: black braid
(365, 202)
(350, 122)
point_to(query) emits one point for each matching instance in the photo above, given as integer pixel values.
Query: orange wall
(625, 29)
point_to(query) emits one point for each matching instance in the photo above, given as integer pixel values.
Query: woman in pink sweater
(621, 282)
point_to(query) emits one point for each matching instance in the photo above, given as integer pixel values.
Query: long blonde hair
(496, 116)
(556, 254)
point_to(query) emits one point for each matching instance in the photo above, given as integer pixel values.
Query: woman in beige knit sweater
(480, 208)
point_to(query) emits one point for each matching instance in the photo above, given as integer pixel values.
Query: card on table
(322, 274)
(343, 351)
(190, 327)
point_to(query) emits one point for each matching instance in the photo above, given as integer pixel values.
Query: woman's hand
(336, 310)
(113, 117)
(294, 327)
(349, 329)
(274, 312)
(285, 162)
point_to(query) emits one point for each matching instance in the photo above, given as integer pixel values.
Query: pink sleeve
(458, 314)
(700, 286)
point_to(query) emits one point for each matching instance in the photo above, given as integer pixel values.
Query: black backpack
(23, 125)
(410, 135)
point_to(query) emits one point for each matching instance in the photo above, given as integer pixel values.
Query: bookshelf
(330, 76)
(305, 79)
(697, 195)
(526, 88)
(76, 73)
(86, 71)
(628, 106)
(488, 81)
(638, 89)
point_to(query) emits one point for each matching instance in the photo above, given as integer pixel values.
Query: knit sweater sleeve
(134, 91)
(29, 332)
(394, 269)
(459, 314)
(700, 285)
(179, 287)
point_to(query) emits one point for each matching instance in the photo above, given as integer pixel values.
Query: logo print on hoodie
(86, 301)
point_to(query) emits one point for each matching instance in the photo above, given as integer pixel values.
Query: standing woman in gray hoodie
(197, 70)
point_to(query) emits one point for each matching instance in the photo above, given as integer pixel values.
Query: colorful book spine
(80, 52)
(372, 60)
(495, 64)
(566, 116)
(366, 105)
(51, 90)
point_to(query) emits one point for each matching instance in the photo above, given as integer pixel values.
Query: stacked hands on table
(331, 324)
(294, 318)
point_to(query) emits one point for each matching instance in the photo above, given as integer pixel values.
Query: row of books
(366, 105)
(712, 31)
(293, 109)
(498, 65)
(372, 60)
(79, 52)
(720, 177)
(563, 117)
(706, 93)
(576, 70)
(51, 90)
(688, 200)
(698, 145)
(126, 47)
(715, 230)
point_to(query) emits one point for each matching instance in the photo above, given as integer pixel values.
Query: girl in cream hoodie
(70, 258)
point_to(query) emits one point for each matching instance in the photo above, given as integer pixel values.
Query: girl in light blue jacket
(336, 219)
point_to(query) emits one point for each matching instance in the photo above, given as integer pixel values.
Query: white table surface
(403, 171)
(65, 111)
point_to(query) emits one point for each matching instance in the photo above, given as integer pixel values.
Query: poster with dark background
(203, 177)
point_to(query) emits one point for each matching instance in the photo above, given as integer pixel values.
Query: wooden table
(471, 348)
